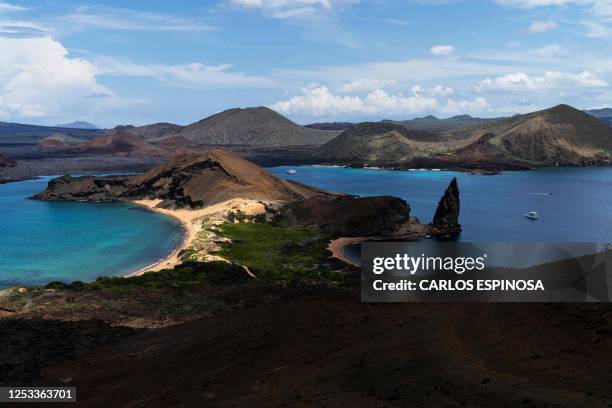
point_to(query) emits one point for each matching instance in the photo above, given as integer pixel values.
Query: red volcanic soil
(300, 346)
(120, 144)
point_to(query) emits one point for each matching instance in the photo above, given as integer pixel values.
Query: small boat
(532, 215)
(291, 171)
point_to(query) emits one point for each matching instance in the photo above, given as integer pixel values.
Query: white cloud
(195, 74)
(126, 19)
(552, 53)
(404, 72)
(442, 49)
(542, 26)
(38, 79)
(532, 3)
(365, 84)
(478, 104)
(293, 9)
(597, 30)
(7, 7)
(320, 102)
(588, 80)
(399, 22)
(19, 28)
(521, 81)
(598, 13)
(438, 90)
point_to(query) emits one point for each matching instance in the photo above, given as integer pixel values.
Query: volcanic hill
(120, 144)
(560, 134)
(378, 143)
(254, 127)
(151, 132)
(186, 180)
(78, 124)
(59, 141)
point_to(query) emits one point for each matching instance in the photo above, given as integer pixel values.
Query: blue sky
(137, 62)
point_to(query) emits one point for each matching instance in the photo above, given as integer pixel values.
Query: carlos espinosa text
(403, 264)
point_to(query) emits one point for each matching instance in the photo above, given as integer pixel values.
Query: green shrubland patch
(277, 252)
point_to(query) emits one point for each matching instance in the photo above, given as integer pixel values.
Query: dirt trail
(328, 349)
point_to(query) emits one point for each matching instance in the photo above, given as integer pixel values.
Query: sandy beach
(191, 221)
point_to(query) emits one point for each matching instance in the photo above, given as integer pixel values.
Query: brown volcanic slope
(59, 141)
(186, 180)
(254, 127)
(120, 144)
(379, 143)
(561, 134)
(174, 142)
(151, 132)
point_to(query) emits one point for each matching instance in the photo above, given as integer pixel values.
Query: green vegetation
(271, 251)
(277, 252)
(185, 274)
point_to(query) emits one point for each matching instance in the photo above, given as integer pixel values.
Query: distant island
(79, 124)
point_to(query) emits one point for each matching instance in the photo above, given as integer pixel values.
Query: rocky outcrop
(350, 216)
(446, 220)
(6, 161)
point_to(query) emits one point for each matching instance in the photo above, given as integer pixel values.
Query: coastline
(191, 223)
(174, 252)
(336, 247)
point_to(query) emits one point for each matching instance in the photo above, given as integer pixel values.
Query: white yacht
(291, 171)
(532, 215)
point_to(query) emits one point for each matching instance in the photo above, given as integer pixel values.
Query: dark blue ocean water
(42, 242)
(492, 207)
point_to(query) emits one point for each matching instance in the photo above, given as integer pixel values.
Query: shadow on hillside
(28, 346)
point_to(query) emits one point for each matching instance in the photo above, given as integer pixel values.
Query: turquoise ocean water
(42, 242)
